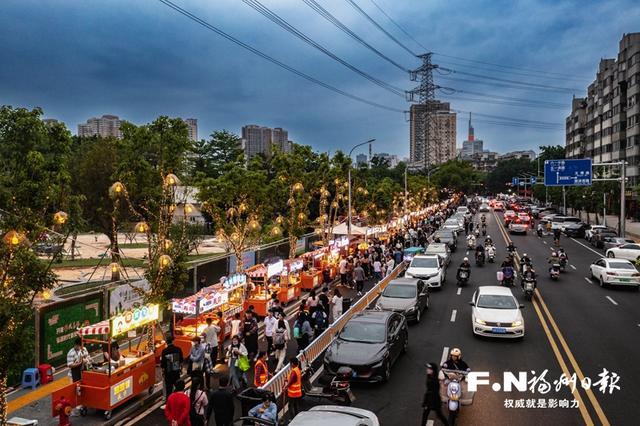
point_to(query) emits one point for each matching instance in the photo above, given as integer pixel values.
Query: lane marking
(612, 301)
(455, 312)
(588, 280)
(573, 267)
(545, 242)
(459, 291)
(587, 247)
(445, 355)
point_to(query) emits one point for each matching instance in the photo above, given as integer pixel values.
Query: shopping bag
(243, 363)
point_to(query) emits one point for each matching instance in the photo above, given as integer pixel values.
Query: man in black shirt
(323, 298)
(221, 404)
(171, 365)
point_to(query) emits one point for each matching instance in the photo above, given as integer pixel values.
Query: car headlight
(480, 321)
(516, 323)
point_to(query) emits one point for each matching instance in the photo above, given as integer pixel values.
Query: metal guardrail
(278, 383)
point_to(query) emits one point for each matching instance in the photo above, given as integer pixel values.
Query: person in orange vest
(260, 371)
(294, 386)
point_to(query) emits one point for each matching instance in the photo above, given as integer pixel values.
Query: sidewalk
(632, 228)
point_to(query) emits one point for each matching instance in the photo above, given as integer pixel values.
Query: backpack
(320, 319)
(279, 339)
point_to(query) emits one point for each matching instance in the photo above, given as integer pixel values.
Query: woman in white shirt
(336, 304)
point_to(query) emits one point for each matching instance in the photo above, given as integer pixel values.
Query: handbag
(243, 363)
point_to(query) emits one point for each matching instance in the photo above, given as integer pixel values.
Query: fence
(277, 384)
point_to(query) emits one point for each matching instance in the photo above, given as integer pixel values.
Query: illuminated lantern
(254, 225)
(114, 267)
(276, 231)
(116, 190)
(188, 208)
(142, 227)
(60, 218)
(13, 238)
(301, 216)
(298, 187)
(279, 220)
(164, 261)
(167, 244)
(171, 180)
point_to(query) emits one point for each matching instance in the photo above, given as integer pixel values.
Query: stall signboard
(213, 300)
(59, 323)
(340, 242)
(127, 296)
(295, 265)
(275, 268)
(377, 229)
(121, 390)
(235, 280)
(134, 318)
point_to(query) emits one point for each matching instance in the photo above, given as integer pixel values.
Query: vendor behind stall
(114, 355)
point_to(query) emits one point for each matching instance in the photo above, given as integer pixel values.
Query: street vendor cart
(278, 277)
(190, 314)
(108, 385)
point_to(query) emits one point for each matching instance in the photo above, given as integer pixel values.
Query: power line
(378, 26)
(517, 82)
(498, 102)
(492, 83)
(512, 119)
(513, 125)
(273, 60)
(273, 17)
(335, 21)
(398, 26)
(524, 74)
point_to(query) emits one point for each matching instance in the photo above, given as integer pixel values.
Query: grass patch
(92, 262)
(133, 246)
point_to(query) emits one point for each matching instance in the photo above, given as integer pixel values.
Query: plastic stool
(46, 373)
(30, 378)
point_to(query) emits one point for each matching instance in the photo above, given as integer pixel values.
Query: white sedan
(615, 272)
(496, 312)
(629, 251)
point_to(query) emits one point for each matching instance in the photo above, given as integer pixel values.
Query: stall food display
(260, 297)
(190, 314)
(108, 385)
(282, 278)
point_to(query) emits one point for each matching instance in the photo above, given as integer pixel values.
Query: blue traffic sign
(568, 172)
(534, 180)
(515, 181)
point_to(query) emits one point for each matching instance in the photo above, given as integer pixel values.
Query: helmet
(455, 352)
(554, 254)
(466, 259)
(524, 255)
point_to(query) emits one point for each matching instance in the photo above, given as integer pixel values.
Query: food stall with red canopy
(190, 314)
(312, 276)
(108, 385)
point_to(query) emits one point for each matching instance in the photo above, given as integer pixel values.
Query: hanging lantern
(254, 225)
(279, 220)
(334, 204)
(235, 236)
(116, 190)
(337, 181)
(242, 207)
(167, 244)
(220, 234)
(60, 218)
(114, 267)
(171, 180)
(318, 231)
(46, 294)
(360, 190)
(172, 208)
(13, 238)
(282, 178)
(231, 212)
(291, 201)
(142, 227)
(365, 192)
(301, 216)
(276, 231)
(298, 187)
(164, 261)
(188, 208)
(364, 213)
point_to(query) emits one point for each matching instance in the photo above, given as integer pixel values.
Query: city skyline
(170, 66)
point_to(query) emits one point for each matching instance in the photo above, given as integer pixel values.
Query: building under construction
(441, 144)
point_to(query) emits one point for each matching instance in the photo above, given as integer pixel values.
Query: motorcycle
(490, 253)
(563, 263)
(507, 276)
(453, 392)
(539, 232)
(338, 390)
(479, 258)
(529, 287)
(554, 271)
(463, 276)
(471, 242)
(484, 230)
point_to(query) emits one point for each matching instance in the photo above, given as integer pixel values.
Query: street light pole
(349, 184)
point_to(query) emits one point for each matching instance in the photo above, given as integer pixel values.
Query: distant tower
(370, 155)
(470, 129)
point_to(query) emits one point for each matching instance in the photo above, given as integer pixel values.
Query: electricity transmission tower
(426, 141)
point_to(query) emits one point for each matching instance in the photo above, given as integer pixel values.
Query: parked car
(335, 415)
(370, 343)
(442, 250)
(615, 272)
(407, 296)
(47, 249)
(598, 237)
(575, 229)
(591, 230)
(559, 222)
(630, 251)
(462, 209)
(496, 312)
(447, 237)
(453, 224)
(611, 242)
(547, 211)
(428, 267)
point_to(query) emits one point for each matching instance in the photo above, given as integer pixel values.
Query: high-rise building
(105, 126)
(529, 154)
(605, 125)
(392, 159)
(362, 160)
(261, 140)
(192, 128)
(472, 145)
(442, 140)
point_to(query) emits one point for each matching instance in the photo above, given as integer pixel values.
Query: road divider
(611, 300)
(588, 280)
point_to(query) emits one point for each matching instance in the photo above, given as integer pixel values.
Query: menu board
(134, 318)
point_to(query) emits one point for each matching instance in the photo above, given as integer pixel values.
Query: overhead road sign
(515, 181)
(534, 180)
(568, 172)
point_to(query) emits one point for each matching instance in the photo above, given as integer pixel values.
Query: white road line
(545, 242)
(587, 247)
(453, 315)
(445, 354)
(588, 280)
(573, 267)
(612, 301)
(459, 290)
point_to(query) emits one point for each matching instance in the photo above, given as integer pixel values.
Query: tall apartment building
(105, 126)
(442, 142)
(529, 154)
(472, 145)
(192, 128)
(261, 140)
(605, 125)
(362, 159)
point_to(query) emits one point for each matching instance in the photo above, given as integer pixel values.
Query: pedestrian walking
(223, 330)
(377, 269)
(196, 359)
(431, 400)
(312, 301)
(359, 276)
(235, 352)
(280, 340)
(210, 336)
(302, 330)
(294, 386)
(235, 325)
(198, 402)
(324, 301)
(270, 324)
(389, 265)
(320, 321)
(336, 304)
(342, 269)
(221, 404)
(171, 365)
(177, 407)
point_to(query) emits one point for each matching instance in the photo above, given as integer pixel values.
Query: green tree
(459, 176)
(500, 178)
(212, 156)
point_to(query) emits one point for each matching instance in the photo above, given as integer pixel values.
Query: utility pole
(604, 208)
(425, 126)
(623, 204)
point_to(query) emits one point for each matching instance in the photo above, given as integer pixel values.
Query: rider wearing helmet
(525, 260)
(464, 266)
(455, 361)
(553, 260)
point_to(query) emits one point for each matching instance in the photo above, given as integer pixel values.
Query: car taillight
(612, 273)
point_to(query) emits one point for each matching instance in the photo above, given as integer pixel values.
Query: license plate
(625, 280)
(499, 330)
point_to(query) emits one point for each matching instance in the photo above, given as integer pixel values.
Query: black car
(369, 344)
(446, 237)
(600, 235)
(407, 296)
(576, 229)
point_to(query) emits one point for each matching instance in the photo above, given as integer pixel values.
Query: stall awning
(99, 328)
(355, 230)
(257, 272)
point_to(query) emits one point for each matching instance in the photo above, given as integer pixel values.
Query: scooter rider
(488, 241)
(562, 254)
(553, 260)
(464, 266)
(511, 248)
(525, 260)
(483, 218)
(455, 361)
(529, 274)
(479, 250)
